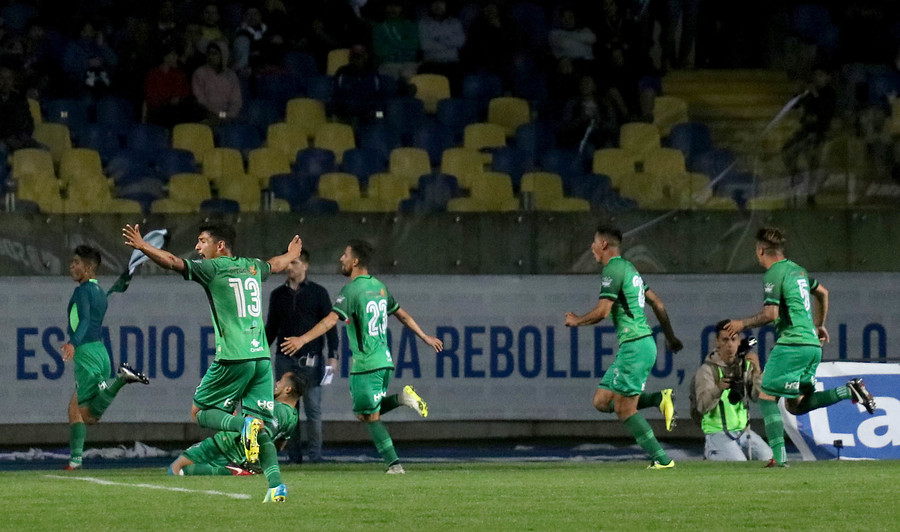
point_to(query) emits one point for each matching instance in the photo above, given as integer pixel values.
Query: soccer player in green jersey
(242, 369)
(365, 304)
(94, 390)
(223, 452)
(800, 327)
(621, 390)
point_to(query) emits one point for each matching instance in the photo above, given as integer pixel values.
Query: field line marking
(152, 486)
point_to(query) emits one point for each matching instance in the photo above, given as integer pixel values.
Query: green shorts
(791, 370)
(220, 449)
(91, 368)
(628, 373)
(247, 381)
(368, 389)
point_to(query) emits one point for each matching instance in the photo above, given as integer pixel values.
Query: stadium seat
(34, 107)
(381, 138)
(547, 191)
(242, 137)
(404, 115)
(74, 113)
(431, 88)
(691, 138)
(190, 189)
(336, 59)
(129, 166)
(567, 163)
(172, 161)
(220, 206)
(261, 113)
(463, 164)
(481, 88)
(172, 206)
(43, 190)
(494, 191)
(278, 86)
(664, 163)
(244, 189)
(435, 190)
(115, 112)
(335, 137)
(55, 136)
(509, 113)
(81, 167)
(194, 137)
(535, 139)
(122, 206)
(263, 163)
(409, 164)
(320, 88)
(147, 138)
(223, 164)
(612, 162)
(434, 139)
(32, 162)
(715, 163)
(287, 138)
(342, 188)
(511, 161)
(363, 162)
(455, 114)
(668, 111)
(595, 188)
(290, 188)
(307, 114)
(637, 138)
(102, 138)
(300, 64)
(386, 191)
(484, 135)
(312, 163)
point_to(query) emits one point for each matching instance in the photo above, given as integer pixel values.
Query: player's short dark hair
(362, 251)
(220, 232)
(771, 239)
(720, 326)
(612, 234)
(89, 254)
(298, 384)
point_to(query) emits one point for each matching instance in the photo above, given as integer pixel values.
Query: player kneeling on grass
(94, 390)
(223, 452)
(365, 304)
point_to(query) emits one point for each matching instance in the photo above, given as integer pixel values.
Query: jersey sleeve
(611, 281)
(80, 316)
(392, 305)
(200, 271)
(341, 305)
(772, 281)
(265, 269)
(813, 283)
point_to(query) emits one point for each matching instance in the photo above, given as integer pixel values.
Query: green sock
(646, 400)
(774, 429)
(77, 432)
(108, 391)
(643, 435)
(383, 442)
(220, 420)
(205, 469)
(268, 459)
(824, 398)
(389, 403)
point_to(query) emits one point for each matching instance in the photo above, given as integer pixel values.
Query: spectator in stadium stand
(358, 91)
(165, 28)
(41, 70)
(441, 38)
(17, 124)
(191, 55)
(250, 42)
(572, 43)
(137, 55)
(89, 62)
(490, 43)
(216, 87)
(592, 114)
(332, 24)
(678, 53)
(395, 42)
(721, 391)
(167, 93)
(210, 25)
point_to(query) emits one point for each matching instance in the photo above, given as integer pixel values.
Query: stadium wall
(510, 367)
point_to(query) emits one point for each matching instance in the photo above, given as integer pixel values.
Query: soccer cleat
(395, 469)
(250, 438)
(72, 467)
(410, 398)
(239, 471)
(276, 494)
(667, 407)
(859, 394)
(773, 463)
(129, 375)
(657, 465)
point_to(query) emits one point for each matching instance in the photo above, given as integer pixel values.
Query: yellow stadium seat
(86, 196)
(495, 190)
(27, 162)
(122, 206)
(190, 189)
(483, 135)
(547, 191)
(509, 113)
(335, 137)
(638, 138)
(645, 189)
(767, 203)
(223, 164)
(664, 163)
(306, 113)
(336, 59)
(287, 137)
(409, 163)
(668, 111)
(55, 136)
(80, 165)
(171, 206)
(243, 189)
(42, 189)
(614, 163)
(388, 190)
(463, 164)
(431, 88)
(468, 205)
(342, 188)
(35, 107)
(194, 137)
(263, 163)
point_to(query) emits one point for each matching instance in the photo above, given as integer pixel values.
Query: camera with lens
(738, 387)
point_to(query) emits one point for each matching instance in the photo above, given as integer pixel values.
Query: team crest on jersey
(769, 287)
(252, 270)
(339, 300)
(605, 282)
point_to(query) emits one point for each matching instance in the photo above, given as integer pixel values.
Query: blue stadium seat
(433, 138)
(691, 138)
(290, 188)
(243, 137)
(535, 139)
(512, 161)
(72, 112)
(481, 88)
(144, 191)
(115, 112)
(714, 162)
(381, 138)
(320, 88)
(432, 195)
(739, 186)
(567, 163)
(220, 205)
(316, 205)
(311, 163)
(529, 81)
(302, 66)
(363, 162)
(102, 138)
(278, 87)
(128, 166)
(148, 138)
(455, 114)
(172, 161)
(404, 115)
(596, 188)
(261, 113)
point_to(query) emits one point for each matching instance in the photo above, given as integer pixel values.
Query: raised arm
(292, 344)
(281, 262)
(407, 320)
(162, 257)
(672, 341)
(602, 310)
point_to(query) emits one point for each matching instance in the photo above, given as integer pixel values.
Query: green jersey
(281, 427)
(232, 286)
(788, 286)
(365, 304)
(86, 310)
(621, 282)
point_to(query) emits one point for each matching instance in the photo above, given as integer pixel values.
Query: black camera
(738, 388)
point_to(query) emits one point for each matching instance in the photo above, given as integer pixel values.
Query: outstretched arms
(162, 257)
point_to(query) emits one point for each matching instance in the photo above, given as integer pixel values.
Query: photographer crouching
(720, 393)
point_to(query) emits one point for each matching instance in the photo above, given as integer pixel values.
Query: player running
(223, 453)
(94, 390)
(790, 371)
(242, 369)
(621, 390)
(365, 304)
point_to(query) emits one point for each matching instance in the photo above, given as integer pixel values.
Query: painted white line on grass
(152, 486)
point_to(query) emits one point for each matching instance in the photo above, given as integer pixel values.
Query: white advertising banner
(507, 352)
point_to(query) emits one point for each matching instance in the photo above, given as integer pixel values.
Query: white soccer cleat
(410, 398)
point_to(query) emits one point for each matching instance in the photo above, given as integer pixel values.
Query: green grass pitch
(466, 496)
